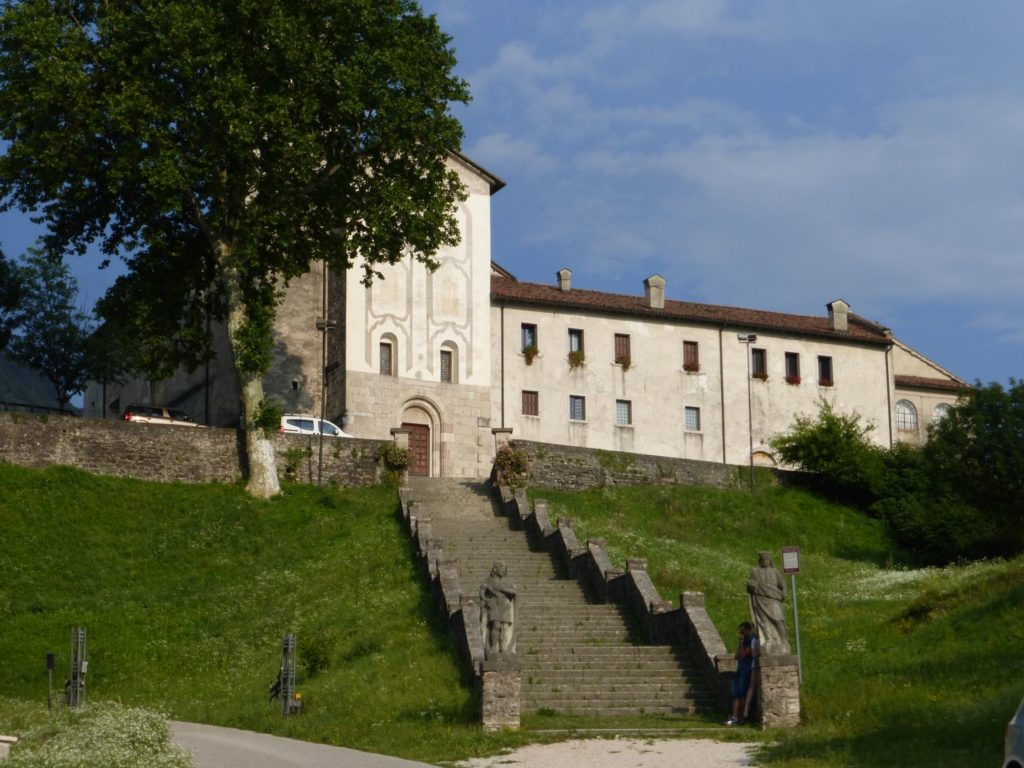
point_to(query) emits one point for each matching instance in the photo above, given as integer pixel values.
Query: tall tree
(10, 297)
(220, 146)
(975, 454)
(53, 331)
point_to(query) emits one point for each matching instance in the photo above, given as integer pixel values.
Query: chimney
(838, 312)
(564, 279)
(654, 292)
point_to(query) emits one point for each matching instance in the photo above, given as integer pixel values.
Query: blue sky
(775, 155)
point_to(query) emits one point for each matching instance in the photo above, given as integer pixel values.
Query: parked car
(306, 424)
(158, 414)
(1014, 749)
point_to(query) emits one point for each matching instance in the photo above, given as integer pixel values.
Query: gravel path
(623, 753)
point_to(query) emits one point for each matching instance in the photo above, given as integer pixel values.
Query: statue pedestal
(779, 689)
(501, 683)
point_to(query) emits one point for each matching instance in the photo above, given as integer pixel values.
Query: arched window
(449, 364)
(940, 411)
(906, 416)
(388, 355)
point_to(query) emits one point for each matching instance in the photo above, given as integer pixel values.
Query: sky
(774, 155)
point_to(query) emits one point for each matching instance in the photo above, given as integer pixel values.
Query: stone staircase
(577, 656)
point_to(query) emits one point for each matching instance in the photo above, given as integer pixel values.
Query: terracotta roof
(505, 291)
(924, 382)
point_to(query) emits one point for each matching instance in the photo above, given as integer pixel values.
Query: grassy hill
(903, 666)
(186, 591)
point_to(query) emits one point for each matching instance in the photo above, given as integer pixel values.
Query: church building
(451, 354)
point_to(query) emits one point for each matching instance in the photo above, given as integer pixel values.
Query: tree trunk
(259, 451)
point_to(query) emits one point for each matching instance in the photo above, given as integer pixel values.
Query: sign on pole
(791, 565)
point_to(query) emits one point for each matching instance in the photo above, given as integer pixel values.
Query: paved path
(214, 747)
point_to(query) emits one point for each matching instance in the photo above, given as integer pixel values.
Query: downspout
(721, 386)
(888, 392)
(502, 321)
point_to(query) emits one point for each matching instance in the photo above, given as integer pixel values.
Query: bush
(513, 466)
(835, 447)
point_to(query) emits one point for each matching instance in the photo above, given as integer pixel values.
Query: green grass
(903, 666)
(186, 590)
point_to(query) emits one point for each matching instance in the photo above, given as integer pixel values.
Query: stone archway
(422, 419)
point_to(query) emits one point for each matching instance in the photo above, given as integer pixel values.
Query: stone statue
(498, 612)
(766, 590)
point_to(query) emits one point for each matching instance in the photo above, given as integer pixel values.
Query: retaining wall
(574, 469)
(167, 453)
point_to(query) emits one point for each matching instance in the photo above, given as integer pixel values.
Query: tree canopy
(53, 331)
(220, 146)
(10, 297)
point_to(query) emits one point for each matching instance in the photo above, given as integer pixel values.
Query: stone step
(638, 710)
(576, 656)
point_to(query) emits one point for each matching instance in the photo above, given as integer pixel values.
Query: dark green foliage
(53, 332)
(960, 496)
(835, 447)
(10, 297)
(221, 148)
(268, 416)
(975, 455)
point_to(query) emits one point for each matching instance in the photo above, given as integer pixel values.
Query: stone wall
(167, 454)
(573, 469)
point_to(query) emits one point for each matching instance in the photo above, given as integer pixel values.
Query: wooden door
(419, 444)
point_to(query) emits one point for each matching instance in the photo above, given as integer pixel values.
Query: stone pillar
(779, 691)
(501, 683)
(401, 436)
(502, 436)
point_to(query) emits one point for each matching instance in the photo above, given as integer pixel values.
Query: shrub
(530, 352)
(395, 461)
(513, 466)
(576, 359)
(268, 417)
(836, 448)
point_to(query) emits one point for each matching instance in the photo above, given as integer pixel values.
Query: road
(214, 747)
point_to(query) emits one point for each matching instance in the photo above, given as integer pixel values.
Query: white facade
(441, 355)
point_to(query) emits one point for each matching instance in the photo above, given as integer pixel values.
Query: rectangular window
(792, 368)
(692, 419)
(691, 356)
(386, 368)
(825, 371)
(446, 366)
(531, 404)
(758, 363)
(622, 356)
(623, 412)
(577, 408)
(529, 336)
(575, 340)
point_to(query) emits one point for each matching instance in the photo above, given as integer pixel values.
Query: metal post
(748, 339)
(323, 326)
(290, 700)
(75, 694)
(49, 675)
(796, 629)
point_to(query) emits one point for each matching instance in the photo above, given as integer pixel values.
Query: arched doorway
(423, 423)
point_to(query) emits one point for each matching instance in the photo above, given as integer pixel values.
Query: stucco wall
(659, 390)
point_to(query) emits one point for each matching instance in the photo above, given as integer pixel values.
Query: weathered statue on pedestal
(498, 612)
(766, 590)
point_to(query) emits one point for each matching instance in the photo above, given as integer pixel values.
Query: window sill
(692, 431)
(531, 416)
(623, 426)
(690, 371)
(577, 421)
(826, 384)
